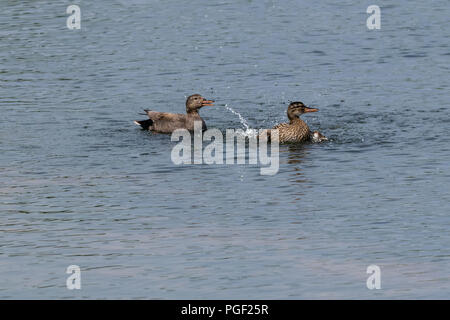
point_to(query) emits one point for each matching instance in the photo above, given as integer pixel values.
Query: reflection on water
(296, 152)
(295, 155)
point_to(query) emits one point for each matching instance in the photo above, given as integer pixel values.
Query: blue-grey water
(80, 184)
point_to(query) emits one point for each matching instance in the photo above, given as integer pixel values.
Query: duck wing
(166, 122)
(281, 126)
(296, 132)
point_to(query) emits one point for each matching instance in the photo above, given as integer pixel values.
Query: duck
(296, 130)
(164, 122)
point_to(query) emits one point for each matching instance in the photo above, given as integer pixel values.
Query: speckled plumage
(296, 130)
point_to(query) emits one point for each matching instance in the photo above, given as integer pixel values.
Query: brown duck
(296, 130)
(164, 122)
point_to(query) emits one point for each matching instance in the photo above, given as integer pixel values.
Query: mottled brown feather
(295, 131)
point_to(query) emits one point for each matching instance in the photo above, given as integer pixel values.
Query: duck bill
(207, 103)
(311, 110)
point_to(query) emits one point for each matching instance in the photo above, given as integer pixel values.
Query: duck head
(195, 102)
(297, 108)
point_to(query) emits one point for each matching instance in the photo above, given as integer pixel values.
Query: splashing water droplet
(248, 131)
(241, 118)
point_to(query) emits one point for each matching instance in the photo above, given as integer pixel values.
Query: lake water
(80, 184)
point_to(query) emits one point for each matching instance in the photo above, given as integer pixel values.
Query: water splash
(248, 131)
(241, 118)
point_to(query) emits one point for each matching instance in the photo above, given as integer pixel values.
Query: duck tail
(145, 124)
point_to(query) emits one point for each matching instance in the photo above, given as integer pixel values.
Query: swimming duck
(317, 137)
(296, 130)
(164, 122)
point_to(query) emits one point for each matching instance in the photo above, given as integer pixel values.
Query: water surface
(80, 184)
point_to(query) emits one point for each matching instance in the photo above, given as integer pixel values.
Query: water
(243, 121)
(248, 131)
(81, 184)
